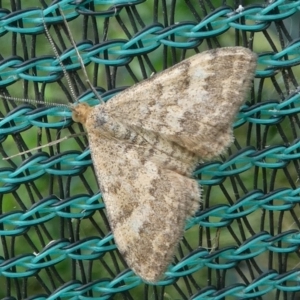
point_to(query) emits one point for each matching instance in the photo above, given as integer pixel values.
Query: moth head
(80, 112)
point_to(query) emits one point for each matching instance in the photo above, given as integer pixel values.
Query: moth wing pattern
(147, 204)
(193, 103)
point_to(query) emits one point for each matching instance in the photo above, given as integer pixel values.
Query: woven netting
(55, 238)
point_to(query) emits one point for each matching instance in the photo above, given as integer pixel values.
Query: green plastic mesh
(55, 239)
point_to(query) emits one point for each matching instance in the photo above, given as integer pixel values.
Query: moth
(146, 141)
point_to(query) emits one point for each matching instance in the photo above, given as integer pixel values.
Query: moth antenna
(59, 60)
(79, 57)
(26, 100)
(43, 146)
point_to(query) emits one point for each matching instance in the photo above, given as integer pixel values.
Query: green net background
(55, 237)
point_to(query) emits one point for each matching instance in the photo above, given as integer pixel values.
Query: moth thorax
(80, 112)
